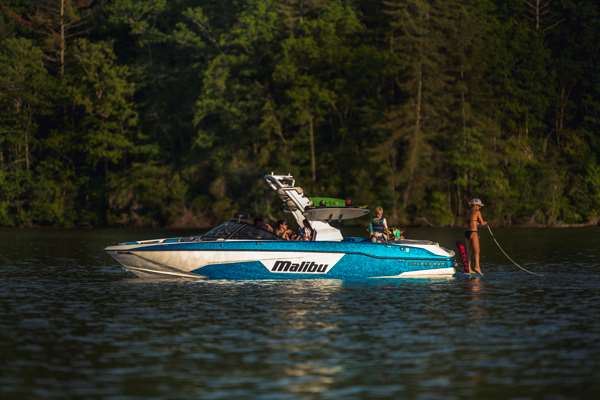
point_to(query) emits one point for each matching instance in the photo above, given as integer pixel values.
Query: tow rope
(507, 256)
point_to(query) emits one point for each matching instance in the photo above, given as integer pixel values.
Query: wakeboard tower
(242, 251)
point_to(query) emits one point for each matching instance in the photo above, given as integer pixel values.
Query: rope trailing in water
(507, 256)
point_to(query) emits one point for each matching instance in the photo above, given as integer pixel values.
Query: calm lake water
(75, 325)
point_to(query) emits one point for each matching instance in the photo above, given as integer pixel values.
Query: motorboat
(241, 250)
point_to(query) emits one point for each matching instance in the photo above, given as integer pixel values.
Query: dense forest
(169, 112)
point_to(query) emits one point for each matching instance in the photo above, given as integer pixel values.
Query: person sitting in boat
(378, 226)
(305, 231)
(259, 222)
(474, 220)
(282, 231)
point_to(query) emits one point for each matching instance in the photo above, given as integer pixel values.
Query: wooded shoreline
(168, 113)
(208, 225)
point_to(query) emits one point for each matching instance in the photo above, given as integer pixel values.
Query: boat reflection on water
(307, 322)
(360, 283)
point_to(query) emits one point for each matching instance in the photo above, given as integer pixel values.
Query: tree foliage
(155, 112)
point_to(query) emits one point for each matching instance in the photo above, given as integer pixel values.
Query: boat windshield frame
(237, 230)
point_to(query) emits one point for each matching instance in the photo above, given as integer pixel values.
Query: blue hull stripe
(349, 267)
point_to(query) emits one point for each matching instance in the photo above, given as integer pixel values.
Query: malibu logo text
(305, 266)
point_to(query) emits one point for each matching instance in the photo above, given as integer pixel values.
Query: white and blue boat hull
(263, 259)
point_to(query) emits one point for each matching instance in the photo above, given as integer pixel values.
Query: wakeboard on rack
(334, 213)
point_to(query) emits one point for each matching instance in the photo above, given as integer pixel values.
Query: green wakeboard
(327, 202)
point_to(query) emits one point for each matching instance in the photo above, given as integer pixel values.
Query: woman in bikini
(472, 235)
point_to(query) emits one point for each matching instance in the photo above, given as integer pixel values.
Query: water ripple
(77, 326)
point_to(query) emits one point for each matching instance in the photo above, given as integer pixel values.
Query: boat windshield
(238, 230)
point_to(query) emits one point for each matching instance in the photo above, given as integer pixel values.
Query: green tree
(312, 71)
(104, 129)
(55, 23)
(25, 95)
(417, 106)
(102, 93)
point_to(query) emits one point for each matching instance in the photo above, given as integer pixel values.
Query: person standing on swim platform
(472, 234)
(378, 226)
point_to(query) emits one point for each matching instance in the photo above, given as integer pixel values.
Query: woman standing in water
(472, 235)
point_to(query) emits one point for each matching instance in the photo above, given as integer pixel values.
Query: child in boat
(394, 233)
(282, 230)
(378, 226)
(304, 232)
(472, 235)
